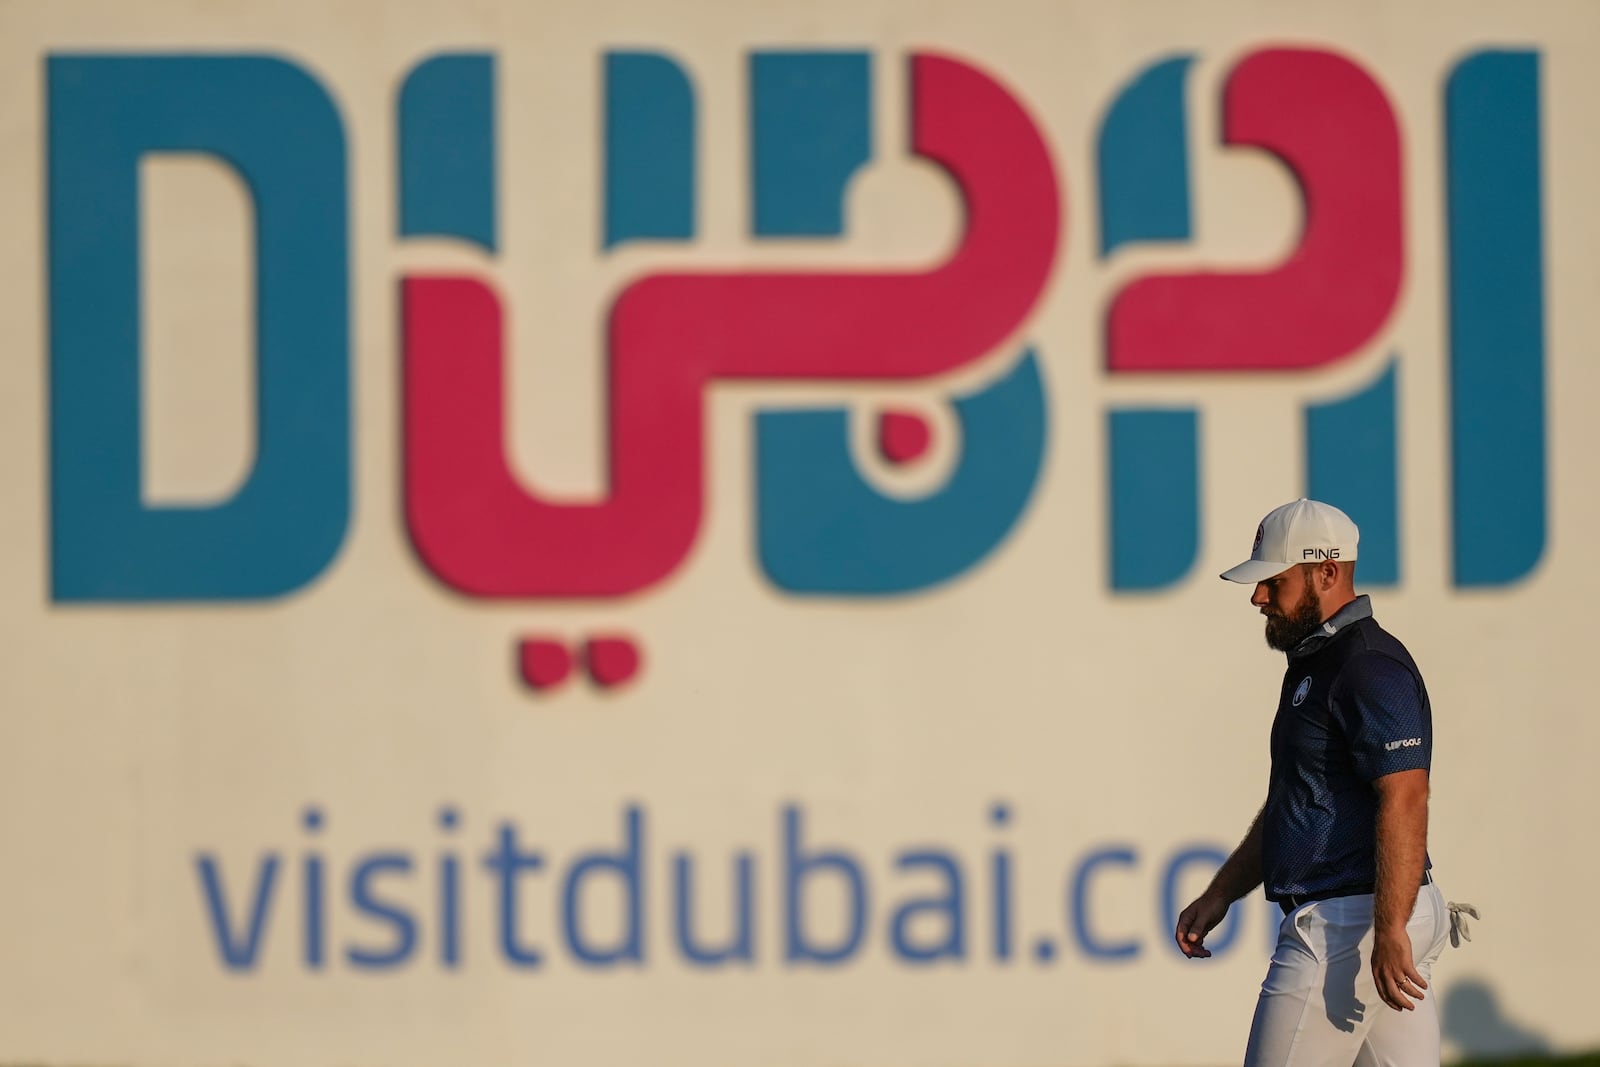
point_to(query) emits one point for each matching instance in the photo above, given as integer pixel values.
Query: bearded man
(1341, 842)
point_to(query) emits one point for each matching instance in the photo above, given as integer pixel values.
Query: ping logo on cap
(1301, 531)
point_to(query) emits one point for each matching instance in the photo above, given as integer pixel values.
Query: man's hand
(1198, 920)
(1394, 971)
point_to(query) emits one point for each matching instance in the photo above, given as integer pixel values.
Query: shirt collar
(1357, 609)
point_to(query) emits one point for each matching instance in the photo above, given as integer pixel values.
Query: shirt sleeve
(1381, 706)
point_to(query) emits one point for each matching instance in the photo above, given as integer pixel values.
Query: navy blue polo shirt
(1353, 709)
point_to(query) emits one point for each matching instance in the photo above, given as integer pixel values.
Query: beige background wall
(135, 738)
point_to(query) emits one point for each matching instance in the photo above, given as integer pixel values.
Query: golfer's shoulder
(1376, 660)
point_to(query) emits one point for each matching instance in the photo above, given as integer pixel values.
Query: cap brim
(1252, 571)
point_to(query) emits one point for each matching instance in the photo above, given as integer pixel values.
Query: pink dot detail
(545, 663)
(902, 436)
(611, 660)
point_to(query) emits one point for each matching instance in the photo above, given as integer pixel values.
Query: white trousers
(1319, 1006)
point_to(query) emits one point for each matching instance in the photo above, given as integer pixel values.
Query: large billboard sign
(555, 535)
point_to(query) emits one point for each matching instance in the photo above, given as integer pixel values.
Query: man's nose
(1260, 598)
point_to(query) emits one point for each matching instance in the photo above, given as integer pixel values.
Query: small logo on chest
(1300, 691)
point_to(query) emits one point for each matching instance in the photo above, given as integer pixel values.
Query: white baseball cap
(1306, 531)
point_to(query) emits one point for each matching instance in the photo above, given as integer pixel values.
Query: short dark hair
(1349, 566)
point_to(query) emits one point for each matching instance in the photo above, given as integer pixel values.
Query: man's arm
(1240, 874)
(1402, 848)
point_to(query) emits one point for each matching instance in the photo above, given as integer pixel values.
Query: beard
(1286, 631)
